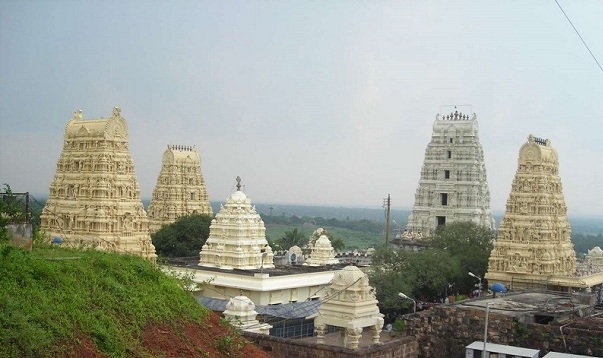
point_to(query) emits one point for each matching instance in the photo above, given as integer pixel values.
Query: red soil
(208, 339)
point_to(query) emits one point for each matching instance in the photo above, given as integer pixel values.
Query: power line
(585, 45)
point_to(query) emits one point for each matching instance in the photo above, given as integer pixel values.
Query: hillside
(66, 303)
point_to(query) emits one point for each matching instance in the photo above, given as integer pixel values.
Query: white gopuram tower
(453, 185)
(237, 237)
(180, 188)
(533, 246)
(94, 197)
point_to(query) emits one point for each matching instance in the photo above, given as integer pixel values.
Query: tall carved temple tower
(237, 237)
(453, 184)
(180, 188)
(533, 244)
(94, 197)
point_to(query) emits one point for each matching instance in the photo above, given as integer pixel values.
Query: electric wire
(580, 36)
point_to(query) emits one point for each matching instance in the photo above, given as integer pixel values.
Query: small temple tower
(453, 185)
(94, 197)
(240, 312)
(237, 237)
(180, 188)
(533, 244)
(350, 304)
(322, 252)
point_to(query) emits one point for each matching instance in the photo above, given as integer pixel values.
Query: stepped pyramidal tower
(94, 197)
(453, 185)
(180, 188)
(533, 243)
(237, 237)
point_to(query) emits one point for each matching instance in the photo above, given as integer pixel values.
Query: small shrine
(240, 311)
(349, 303)
(237, 237)
(180, 188)
(322, 253)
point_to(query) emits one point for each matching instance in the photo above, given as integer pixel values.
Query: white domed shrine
(240, 311)
(322, 253)
(237, 237)
(349, 303)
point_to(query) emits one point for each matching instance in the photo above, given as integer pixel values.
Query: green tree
(184, 237)
(292, 237)
(471, 244)
(9, 212)
(337, 243)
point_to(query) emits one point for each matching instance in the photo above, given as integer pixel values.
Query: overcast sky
(310, 102)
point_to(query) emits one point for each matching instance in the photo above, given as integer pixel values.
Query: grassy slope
(51, 296)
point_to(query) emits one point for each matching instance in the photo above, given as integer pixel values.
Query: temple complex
(180, 188)
(533, 244)
(237, 237)
(350, 304)
(453, 185)
(94, 197)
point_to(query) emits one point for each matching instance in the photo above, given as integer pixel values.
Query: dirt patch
(207, 339)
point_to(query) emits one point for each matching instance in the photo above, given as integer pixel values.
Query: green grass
(353, 239)
(49, 297)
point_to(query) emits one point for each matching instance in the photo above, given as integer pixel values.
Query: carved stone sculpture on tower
(180, 188)
(240, 312)
(350, 304)
(237, 237)
(533, 243)
(94, 197)
(453, 184)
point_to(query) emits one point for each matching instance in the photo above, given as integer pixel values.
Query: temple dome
(240, 304)
(595, 252)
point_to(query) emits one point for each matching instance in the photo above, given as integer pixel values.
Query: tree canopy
(184, 237)
(456, 249)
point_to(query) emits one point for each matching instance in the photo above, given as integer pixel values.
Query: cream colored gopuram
(237, 237)
(94, 197)
(180, 188)
(453, 184)
(533, 247)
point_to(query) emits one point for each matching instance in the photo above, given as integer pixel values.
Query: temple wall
(403, 347)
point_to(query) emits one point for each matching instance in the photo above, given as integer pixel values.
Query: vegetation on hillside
(182, 238)
(51, 296)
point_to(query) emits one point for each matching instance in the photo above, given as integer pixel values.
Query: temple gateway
(94, 197)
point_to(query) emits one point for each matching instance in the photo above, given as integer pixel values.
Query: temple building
(350, 304)
(453, 185)
(237, 237)
(180, 188)
(94, 197)
(322, 252)
(533, 244)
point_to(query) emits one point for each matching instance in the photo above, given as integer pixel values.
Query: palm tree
(292, 238)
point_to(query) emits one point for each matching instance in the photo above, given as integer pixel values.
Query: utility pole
(387, 203)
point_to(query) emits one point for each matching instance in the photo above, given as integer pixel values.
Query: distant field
(352, 239)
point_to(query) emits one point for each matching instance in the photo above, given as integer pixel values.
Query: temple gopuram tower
(237, 237)
(94, 197)
(180, 188)
(453, 185)
(533, 245)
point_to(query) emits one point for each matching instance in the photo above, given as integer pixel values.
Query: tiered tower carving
(453, 184)
(180, 188)
(533, 243)
(94, 197)
(237, 237)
